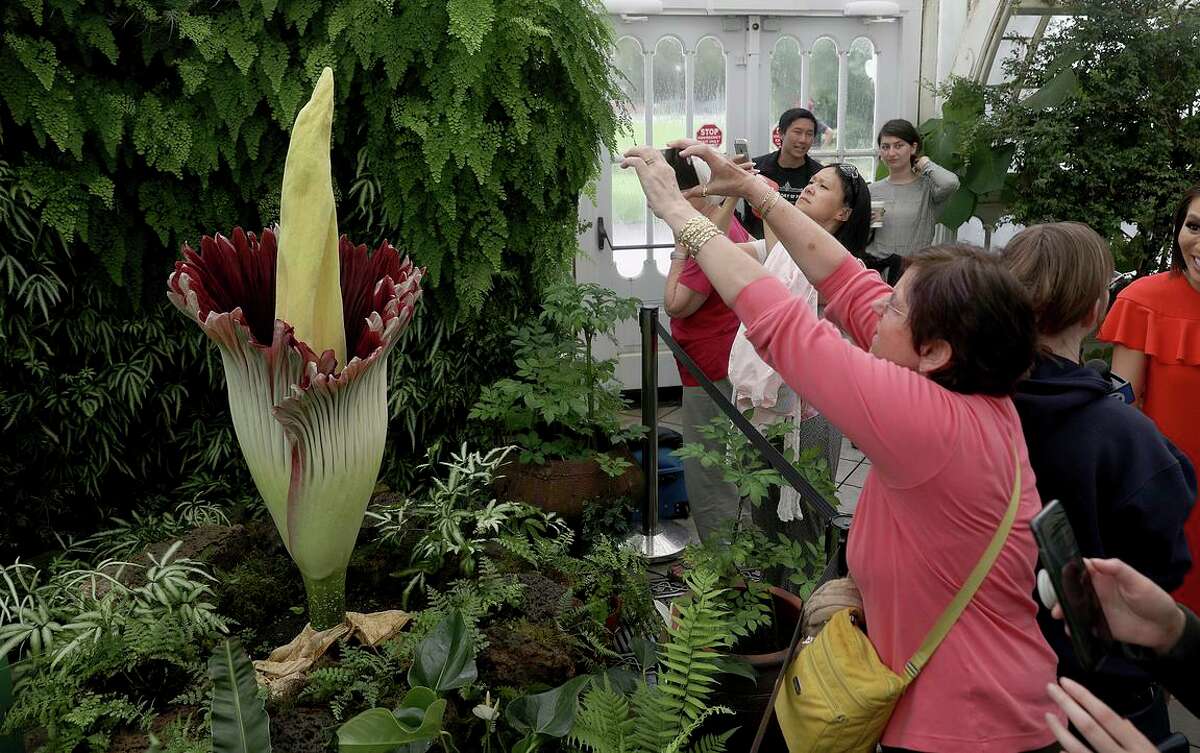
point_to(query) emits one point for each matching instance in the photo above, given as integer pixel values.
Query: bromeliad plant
(305, 323)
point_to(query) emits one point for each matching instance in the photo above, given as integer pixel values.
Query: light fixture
(873, 11)
(633, 7)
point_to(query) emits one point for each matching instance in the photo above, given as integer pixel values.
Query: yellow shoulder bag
(837, 696)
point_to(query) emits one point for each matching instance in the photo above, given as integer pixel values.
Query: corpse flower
(286, 311)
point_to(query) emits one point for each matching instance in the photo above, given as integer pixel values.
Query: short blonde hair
(1065, 266)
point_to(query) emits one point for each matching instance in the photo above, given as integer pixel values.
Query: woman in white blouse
(839, 200)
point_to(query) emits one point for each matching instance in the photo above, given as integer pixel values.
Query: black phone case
(1090, 650)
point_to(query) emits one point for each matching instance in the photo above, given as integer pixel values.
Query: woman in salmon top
(924, 390)
(1155, 325)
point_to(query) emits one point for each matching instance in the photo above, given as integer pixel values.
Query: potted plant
(562, 405)
(763, 615)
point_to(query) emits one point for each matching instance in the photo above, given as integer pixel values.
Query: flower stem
(326, 600)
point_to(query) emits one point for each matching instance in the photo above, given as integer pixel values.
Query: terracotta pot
(562, 486)
(749, 699)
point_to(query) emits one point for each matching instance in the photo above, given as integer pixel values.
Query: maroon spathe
(236, 276)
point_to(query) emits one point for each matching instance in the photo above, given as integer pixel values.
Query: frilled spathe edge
(234, 278)
(1165, 338)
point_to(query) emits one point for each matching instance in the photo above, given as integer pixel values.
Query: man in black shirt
(790, 166)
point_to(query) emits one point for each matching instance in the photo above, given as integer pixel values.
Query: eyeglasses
(848, 169)
(890, 303)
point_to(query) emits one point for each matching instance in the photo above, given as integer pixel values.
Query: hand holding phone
(741, 150)
(1071, 581)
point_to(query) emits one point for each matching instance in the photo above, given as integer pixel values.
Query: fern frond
(712, 743)
(603, 724)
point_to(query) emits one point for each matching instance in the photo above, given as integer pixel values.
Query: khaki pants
(712, 500)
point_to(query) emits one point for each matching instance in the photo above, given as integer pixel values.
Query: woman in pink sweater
(925, 395)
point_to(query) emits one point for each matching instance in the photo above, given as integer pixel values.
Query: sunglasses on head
(852, 174)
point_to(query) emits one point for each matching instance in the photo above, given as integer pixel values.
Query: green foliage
(181, 735)
(128, 537)
(663, 717)
(239, 717)
(609, 580)
(1123, 149)
(8, 743)
(444, 660)
(563, 402)
(417, 719)
(465, 131)
(458, 517)
(744, 467)
(736, 550)
(362, 678)
(541, 717)
(96, 647)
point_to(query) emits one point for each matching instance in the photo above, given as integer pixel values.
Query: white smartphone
(741, 147)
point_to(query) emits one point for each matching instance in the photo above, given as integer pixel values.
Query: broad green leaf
(735, 665)
(419, 718)
(445, 659)
(959, 208)
(881, 170)
(1055, 91)
(942, 141)
(550, 713)
(989, 169)
(646, 653)
(239, 720)
(8, 743)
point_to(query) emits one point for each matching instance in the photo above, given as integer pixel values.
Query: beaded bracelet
(768, 203)
(695, 233)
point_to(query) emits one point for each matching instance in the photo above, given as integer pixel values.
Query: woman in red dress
(1155, 326)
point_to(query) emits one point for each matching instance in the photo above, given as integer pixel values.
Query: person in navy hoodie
(1125, 488)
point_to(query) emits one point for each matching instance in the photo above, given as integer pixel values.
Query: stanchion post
(646, 319)
(665, 540)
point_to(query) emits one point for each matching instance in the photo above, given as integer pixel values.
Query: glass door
(683, 76)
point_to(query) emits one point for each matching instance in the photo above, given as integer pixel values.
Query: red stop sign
(710, 134)
(776, 139)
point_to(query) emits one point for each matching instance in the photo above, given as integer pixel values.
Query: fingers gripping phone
(1063, 563)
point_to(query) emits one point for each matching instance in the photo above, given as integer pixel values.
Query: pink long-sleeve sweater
(941, 477)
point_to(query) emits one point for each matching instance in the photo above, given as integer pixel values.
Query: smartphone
(741, 147)
(1090, 636)
(685, 172)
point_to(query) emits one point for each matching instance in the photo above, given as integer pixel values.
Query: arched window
(860, 104)
(670, 118)
(823, 92)
(786, 82)
(628, 201)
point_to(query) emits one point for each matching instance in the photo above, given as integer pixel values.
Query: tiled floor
(851, 472)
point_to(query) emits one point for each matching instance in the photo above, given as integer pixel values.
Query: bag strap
(946, 621)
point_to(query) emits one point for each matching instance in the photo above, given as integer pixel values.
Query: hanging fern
(465, 131)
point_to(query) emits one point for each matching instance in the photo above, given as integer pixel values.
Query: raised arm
(870, 399)
(942, 181)
(816, 252)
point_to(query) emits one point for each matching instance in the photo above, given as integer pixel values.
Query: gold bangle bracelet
(695, 233)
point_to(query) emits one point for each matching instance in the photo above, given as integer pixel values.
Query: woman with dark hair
(838, 199)
(925, 391)
(1155, 327)
(914, 194)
